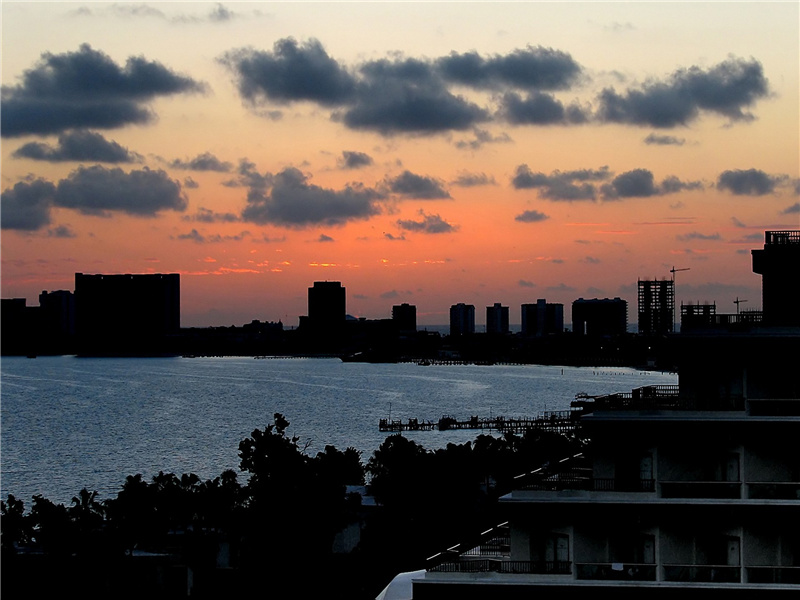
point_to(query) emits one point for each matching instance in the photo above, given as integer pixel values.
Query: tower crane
(737, 302)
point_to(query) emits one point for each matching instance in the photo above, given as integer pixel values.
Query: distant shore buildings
(139, 314)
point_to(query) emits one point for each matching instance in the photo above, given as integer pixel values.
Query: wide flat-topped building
(127, 314)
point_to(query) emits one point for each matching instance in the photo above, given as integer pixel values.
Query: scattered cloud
(466, 179)
(205, 215)
(419, 187)
(91, 190)
(531, 216)
(26, 206)
(525, 283)
(324, 238)
(190, 183)
(78, 146)
(794, 209)
(202, 162)
(428, 224)
(664, 140)
(288, 199)
(395, 238)
(540, 109)
(726, 89)
(61, 231)
(86, 89)
(482, 137)
(531, 68)
(354, 160)
(290, 72)
(749, 182)
(561, 287)
(199, 238)
(96, 190)
(695, 235)
(566, 185)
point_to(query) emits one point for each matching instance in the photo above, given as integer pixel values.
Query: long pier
(563, 421)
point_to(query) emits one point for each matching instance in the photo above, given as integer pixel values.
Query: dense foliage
(289, 519)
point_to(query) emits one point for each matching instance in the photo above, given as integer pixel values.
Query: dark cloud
(289, 73)
(664, 140)
(473, 179)
(428, 224)
(205, 215)
(355, 160)
(749, 182)
(220, 14)
(61, 231)
(482, 137)
(792, 210)
(190, 183)
(737, 222)
(525, 283)
(696, 235)
(199, 238)
(395, 238)
(673, 185)
(202, 162)
(324, 238)
(726, 89)
(408, 96)
(96, 190)
(26, 206)
(410, 185)
(640, 183)
(530, 69)
(86, 89)
(567, 185)
(540, 109)
(288, 200)
(78, 146)
(531, 216)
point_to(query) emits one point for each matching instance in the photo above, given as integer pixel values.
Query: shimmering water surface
(69, 423)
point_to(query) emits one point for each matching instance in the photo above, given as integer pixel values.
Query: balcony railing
(496, 565)
(701, 489)
(616, 571)
(774, 490)
(773, 575)
(577, 481)
(703, 573)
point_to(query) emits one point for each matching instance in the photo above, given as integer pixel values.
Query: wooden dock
(557, 421)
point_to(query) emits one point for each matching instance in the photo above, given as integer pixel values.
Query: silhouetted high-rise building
(778, 263)
(656, 306)
(462, 319)
(405, 317)
(542, 318)
(496, 318)
(598, 317)
(57, 321)
(127, 314)
(327, 306)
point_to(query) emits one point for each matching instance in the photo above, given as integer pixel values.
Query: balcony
(773, 575)
(658, 397)
(616, 571)
(789, 490)
(718, 490)
(702, 573)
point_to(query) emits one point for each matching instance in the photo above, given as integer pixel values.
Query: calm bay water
(69, 423)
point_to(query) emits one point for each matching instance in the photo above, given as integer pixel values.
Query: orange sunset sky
(429, 153)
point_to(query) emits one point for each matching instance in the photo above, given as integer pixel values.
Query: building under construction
(656, 305)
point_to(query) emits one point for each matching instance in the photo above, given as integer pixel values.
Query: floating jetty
(563, 421)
